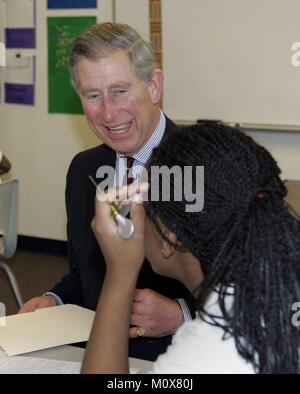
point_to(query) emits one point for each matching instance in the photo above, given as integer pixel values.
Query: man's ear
(156, 85)
(167, 250)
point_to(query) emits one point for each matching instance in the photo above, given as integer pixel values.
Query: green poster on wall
(61, 33)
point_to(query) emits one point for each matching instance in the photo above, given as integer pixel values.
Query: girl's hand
(123, 257)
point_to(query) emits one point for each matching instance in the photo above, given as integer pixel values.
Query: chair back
(9, 216)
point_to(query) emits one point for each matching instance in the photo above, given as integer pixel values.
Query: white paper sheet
(19, 69)
(2, 55)
(30, 365)
(37, 365)
(45, 328)
(19, 13)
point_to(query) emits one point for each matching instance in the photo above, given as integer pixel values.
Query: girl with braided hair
(239, 257)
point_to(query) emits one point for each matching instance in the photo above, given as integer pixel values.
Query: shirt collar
(144, 154)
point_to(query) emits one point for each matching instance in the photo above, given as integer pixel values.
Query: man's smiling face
(121, 110)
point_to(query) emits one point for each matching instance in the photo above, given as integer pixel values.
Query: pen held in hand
(125, 226)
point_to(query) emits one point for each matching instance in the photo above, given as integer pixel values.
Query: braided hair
(245, 238)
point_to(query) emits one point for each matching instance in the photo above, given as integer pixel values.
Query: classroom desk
(72, 353)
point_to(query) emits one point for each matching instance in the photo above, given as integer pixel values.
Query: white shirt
(199, 348)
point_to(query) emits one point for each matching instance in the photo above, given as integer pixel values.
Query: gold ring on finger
(140, 331)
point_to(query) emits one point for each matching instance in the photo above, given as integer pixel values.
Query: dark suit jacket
(87, 266)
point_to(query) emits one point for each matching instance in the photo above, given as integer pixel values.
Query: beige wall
(41, 145)
(262, 32)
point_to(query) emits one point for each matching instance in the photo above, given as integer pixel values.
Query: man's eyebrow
(113, 86)
(88, 90)
(120, 85)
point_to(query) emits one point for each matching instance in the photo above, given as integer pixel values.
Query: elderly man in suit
(114, 72)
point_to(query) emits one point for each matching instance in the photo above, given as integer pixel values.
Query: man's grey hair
(103, 39)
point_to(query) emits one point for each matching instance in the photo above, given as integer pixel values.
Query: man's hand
(38, 303)
(156, 314)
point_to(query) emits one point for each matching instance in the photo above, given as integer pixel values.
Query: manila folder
(45, 328)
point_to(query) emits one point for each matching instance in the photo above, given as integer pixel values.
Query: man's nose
(109, 109)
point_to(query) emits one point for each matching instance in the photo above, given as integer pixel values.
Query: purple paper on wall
(72, 3)
(20, 37)
(19, 93)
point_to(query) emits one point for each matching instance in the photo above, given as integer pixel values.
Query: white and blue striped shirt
(140, 158)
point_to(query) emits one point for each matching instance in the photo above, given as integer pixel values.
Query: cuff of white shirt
(185, 309)
(58, 299)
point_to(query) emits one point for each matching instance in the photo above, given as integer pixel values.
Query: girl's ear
(167, 250)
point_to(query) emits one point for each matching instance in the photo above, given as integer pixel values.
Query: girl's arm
(107, 349)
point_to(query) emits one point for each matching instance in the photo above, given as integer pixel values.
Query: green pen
(125, 226)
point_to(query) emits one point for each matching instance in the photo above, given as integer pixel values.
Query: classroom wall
(183, 34)
(41, 145)
(285, 147)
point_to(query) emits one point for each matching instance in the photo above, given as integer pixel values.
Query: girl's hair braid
(245, 238)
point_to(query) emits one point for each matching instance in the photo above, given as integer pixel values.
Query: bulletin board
(61, 33)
